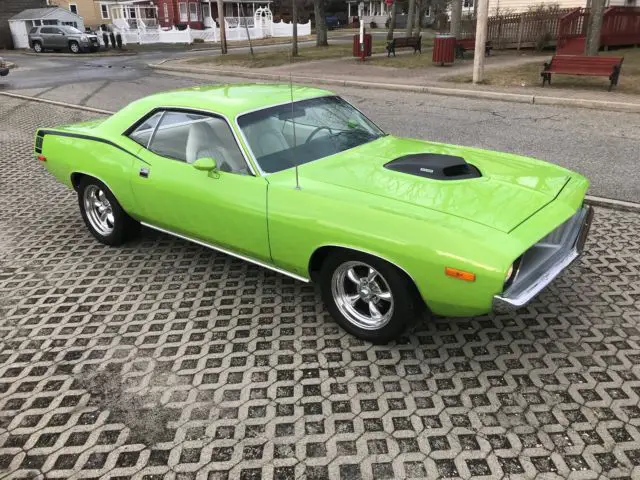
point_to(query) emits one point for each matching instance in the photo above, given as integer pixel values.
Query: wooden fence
(520, 30)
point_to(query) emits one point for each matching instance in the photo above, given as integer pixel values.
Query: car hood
(510, 190)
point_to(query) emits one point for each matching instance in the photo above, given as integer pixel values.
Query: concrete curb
(613, 203)
(456, 92)
(59, 104)
(590, 199)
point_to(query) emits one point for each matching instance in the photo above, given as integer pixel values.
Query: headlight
(84, 38)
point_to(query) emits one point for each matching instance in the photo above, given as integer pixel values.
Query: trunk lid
(511, 188)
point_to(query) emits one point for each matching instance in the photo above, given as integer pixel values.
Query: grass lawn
(281, 56)
(529, 74)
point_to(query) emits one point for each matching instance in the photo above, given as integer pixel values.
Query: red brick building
(195, 13)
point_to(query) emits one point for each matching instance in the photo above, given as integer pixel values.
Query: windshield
(71, 30)
(304, 131)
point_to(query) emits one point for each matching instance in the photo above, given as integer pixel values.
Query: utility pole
(223, 35)
(294, 24)
(595, 27)
(456, 17)
(481, 39)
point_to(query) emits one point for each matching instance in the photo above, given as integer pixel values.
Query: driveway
(164, 360)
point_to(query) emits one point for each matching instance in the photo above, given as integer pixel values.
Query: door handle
(144, 172)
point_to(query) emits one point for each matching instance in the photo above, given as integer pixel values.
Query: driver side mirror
(205, 164)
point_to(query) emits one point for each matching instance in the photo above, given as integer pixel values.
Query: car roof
(230, 99)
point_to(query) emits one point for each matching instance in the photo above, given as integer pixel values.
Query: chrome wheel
(362, 295)
(74, 47)
(37, 47)
(99, 211)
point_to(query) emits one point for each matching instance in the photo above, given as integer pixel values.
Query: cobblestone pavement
(165, 360)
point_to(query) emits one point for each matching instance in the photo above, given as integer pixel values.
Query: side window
(45, 30)
(187, 136)
(33, 30)
(142, 134)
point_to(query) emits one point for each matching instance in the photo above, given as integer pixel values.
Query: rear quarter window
(33, 30)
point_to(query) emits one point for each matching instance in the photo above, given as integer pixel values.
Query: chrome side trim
(518, 295)
(228, 252)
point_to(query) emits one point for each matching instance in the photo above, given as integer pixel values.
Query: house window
(73, 8)
(193, 12)
(132, 13)
(104, 11)
(205, 10)
(165, 10)
(183, 12)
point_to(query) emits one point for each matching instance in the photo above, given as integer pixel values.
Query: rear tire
(37, 47)
(369, 297)
(74, 47)
(103, 215)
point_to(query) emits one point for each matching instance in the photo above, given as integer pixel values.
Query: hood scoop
(435, 166)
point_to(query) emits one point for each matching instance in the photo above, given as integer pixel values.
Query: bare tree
(456, 17)
(321, 26)
(412, 7)
(392, 21)
(294, 24)
(595, 27)
(223, 35)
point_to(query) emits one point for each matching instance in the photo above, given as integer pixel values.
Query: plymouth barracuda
(297, 180)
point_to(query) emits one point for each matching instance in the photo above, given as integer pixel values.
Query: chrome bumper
(545, 261)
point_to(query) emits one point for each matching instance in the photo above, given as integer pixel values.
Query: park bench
(464, 44)
(404, 42)
(583, 65)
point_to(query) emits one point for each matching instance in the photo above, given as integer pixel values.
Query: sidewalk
(350, 72)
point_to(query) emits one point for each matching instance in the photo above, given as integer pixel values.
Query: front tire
(37, 47)
(74, 47)
(102, 214)
(367, 296)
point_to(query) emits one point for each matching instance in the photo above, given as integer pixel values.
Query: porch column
(348, 11)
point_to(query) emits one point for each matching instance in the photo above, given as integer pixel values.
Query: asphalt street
(602, 145)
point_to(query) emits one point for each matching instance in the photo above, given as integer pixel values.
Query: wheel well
(76, 178)
(320, 255)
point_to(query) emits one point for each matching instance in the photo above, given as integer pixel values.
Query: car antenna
(293, 122)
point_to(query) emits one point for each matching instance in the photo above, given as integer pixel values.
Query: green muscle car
(297, 180)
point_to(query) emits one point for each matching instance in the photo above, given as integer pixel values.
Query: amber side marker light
(460, 274)
(42, 158)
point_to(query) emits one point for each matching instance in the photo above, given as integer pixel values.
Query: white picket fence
(236, 31)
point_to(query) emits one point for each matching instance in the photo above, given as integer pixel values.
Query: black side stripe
(89, 137)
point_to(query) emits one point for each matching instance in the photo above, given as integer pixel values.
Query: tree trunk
(412, 7)
(294, 23)
(392, 21)
(223, 35)
(595, 26)
(321, 26)
(419, 16)
(456, 17)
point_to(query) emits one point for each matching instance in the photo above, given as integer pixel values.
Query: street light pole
(481, 40)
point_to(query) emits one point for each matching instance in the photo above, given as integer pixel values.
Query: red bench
(464, 44)
(583, 65)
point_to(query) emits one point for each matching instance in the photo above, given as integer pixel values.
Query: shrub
(373, 24)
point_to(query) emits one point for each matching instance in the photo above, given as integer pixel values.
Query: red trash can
(444, 49)
(367, 45)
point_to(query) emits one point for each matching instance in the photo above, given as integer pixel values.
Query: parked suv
(61, 37)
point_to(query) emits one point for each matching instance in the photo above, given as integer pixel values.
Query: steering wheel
(310, 137)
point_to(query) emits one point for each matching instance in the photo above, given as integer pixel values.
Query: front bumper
(545, 261)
